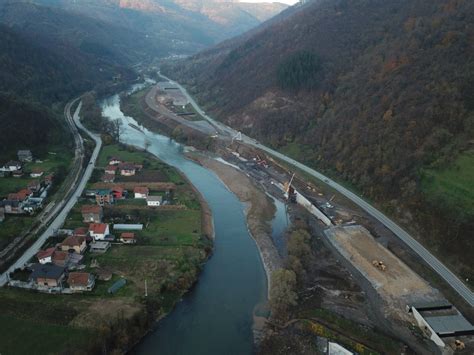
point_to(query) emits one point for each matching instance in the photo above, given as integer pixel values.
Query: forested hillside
(178, 26)
(379, 93)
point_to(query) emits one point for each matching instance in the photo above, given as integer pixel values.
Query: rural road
(421, 251)
(61, 210)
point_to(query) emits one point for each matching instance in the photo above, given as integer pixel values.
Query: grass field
(13, 227)
(455, 184)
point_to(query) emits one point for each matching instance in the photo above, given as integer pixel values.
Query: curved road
(421, 251)
(61, 210)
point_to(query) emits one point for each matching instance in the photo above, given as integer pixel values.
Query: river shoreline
(259, 209)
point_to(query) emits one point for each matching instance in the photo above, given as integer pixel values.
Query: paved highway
(421, 251)
(61, 210)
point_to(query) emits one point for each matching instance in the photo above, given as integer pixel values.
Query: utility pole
(146, 289)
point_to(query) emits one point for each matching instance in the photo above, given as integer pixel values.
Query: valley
(221, 177)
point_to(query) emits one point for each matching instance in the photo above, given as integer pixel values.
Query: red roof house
(128, 238)
(141, 192)
(98, 230)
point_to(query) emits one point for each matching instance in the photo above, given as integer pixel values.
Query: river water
(216, 316)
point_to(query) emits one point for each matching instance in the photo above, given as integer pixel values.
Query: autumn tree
(282, 293)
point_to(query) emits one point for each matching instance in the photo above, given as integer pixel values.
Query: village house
(36, 173)
(111, 169)
(48, 179)
(98, 231)
(34, 185)
(104, 196)
(11, 166)
(12, 206)
(74, 244)
(20, 196)
(25, 156)
(60, 258)
(128, 238)
(141, 192)
(45, 256)
(115, 161)
(109, 178)
(81, 281)
(118, 192)
(49, 275)
(92, 213)
(99, 247)
(127, 169)
(154, 201)
(81, 232)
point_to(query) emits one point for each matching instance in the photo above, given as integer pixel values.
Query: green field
(34, 323)
(181, 227)
(453, 185)
(13, 227)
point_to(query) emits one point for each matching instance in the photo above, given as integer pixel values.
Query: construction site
(360, 244)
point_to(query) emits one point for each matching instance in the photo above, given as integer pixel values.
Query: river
(216, 316)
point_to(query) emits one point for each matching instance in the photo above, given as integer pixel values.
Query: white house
(11, 166)
(154, 201)
(141, 192)
(45, 256)
(98, 231)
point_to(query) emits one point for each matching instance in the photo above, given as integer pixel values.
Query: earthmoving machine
(459, 345)
(379, 264)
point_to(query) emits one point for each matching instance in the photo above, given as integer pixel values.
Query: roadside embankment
(259, 211)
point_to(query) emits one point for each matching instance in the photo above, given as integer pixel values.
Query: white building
(154, 201)
(98, 231)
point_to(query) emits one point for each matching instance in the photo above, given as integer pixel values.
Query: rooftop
(141, 190)
(78, 278)
(155, 198)
(45, 253)
(91, 209)
(449, 324)
(127, 235)
(98, 228)
(48, 271)
(73, 241)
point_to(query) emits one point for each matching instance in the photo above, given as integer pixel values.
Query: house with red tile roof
(45, 256)
(92, 213)
(127, 169)
(111, 169)
(110, 178)
(74, 243)
(128, 238)
(81, 232)
(141, 192)
(118, 192)
(60, 258)
(81, 281)
(98, 231)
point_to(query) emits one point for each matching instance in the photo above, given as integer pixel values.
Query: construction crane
(289, 190)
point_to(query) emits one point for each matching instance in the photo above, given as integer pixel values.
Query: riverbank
(259, 209)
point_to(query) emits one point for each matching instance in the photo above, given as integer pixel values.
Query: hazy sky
(289, 2)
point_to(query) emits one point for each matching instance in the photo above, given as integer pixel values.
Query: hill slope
(378, 93)
(179, 26)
